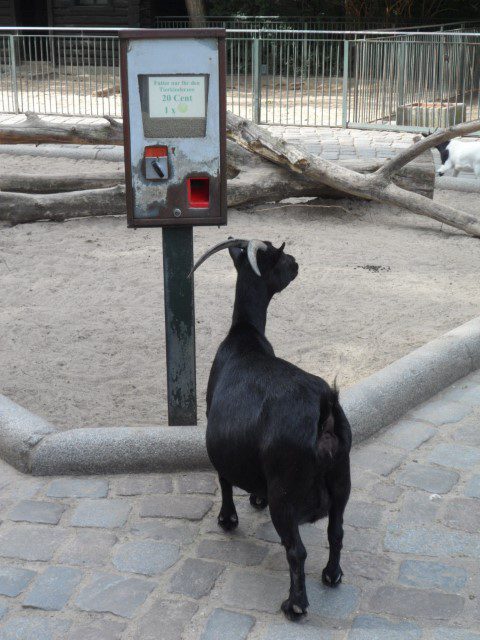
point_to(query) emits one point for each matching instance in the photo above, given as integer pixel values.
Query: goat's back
(463, 153)
(264, 413)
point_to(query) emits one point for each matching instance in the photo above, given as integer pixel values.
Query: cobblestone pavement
(141, 557)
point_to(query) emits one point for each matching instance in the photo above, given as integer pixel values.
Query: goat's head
(258, 259)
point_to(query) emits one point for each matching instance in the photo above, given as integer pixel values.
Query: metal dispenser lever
(158, 169)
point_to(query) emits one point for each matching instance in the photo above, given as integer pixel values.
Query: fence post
(401, 77)
(345, 84)
(256, 80)
(461, 89)
(13, 71)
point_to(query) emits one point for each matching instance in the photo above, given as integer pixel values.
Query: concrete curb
(32, 445)
(385, 396)
(120, 450)
(20, 432)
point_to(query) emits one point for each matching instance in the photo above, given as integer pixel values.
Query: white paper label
(176, 97)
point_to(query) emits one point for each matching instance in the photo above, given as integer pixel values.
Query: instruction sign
(176, 96)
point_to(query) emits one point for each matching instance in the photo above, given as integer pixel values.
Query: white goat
(459, 155)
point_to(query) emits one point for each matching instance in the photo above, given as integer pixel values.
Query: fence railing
(60, 74)
(394, 80)
(416, 81)
(279, 23)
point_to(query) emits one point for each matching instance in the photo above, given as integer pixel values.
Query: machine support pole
(179, 325)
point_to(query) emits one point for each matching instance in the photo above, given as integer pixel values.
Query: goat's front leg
(227, 518)
(340, 492)
(287, 528)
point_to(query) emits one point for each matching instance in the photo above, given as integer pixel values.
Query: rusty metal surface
(149, 34)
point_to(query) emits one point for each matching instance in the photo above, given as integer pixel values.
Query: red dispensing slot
(198, 193)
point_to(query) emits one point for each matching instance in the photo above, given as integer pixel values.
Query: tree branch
(372, 187)
(25, 207)
(41, 130)
(394, 164)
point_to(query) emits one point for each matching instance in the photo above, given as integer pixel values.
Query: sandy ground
(81, 319)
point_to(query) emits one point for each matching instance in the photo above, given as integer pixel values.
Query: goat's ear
(235, 254)
(279, 253)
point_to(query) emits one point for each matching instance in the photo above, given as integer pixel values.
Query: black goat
(275, 430)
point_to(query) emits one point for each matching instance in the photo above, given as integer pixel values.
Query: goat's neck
(251, 303)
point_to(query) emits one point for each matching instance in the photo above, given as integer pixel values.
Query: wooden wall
(116, 13)
(7, 13)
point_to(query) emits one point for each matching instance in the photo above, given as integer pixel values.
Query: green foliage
(418, 11)
(292, 8)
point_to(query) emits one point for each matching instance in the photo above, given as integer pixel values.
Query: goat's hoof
(293, 610)
(331, 581)
(228, 522)
(257, 502)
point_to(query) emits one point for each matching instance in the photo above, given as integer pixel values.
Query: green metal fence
(414, 82)
(369, 79)
(401, 81)
(60, 74)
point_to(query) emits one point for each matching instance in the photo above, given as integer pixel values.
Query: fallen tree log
(254, 180)
(296, 173)
(51, 183)
(251, 179)
(36, 130)
(377, 186)
(25, 207)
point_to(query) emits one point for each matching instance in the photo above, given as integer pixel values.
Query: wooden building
(87, 13)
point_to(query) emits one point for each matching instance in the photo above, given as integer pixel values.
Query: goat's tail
(327, 443)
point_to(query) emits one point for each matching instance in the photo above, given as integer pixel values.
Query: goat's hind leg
(339, 489)
(227, 518)
(287, 528)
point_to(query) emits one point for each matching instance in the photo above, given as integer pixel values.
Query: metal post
(401, 77)
(179, 325)
(256, 80)
(441, 70)
(463, 73)
(345, 84)
(13, 71)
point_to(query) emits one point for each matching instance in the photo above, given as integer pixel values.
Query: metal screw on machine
(177, 213)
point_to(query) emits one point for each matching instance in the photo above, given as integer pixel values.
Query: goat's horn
(226, 244)
(253, 247)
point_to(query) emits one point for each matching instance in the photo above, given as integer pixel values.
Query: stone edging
(34, 446)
